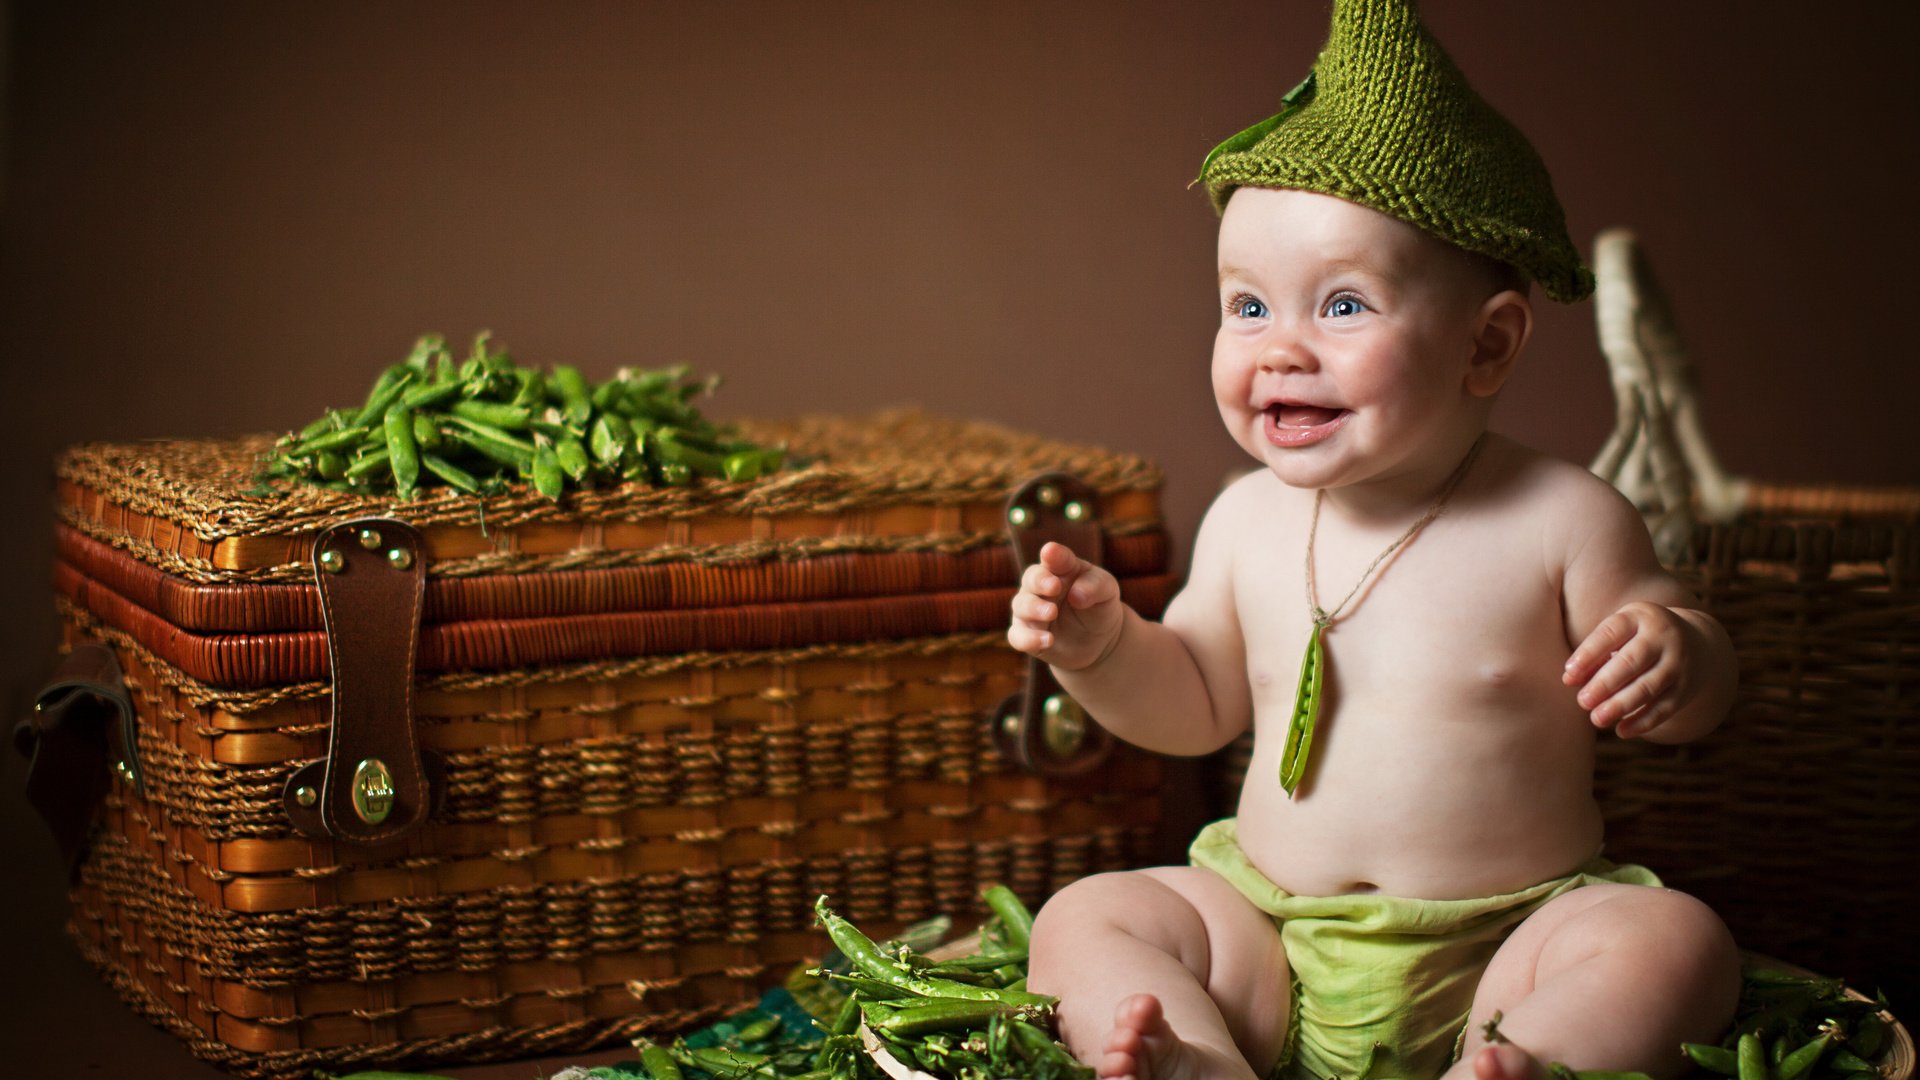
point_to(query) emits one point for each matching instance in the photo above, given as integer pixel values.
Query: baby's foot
(1505, 1061)
(1142, 1046)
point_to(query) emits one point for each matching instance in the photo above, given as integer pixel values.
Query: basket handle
(1658, 454)
(68, 741)
(1042, 729)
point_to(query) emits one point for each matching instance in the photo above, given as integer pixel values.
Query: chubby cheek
(1232, 390)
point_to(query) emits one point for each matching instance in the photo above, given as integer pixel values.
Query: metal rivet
(1076, 511)
(1065, 726)
(372, 791)
(370, 539)
(332, 561)
(1048, 495)
(1010, 725)
(1018, 515)
(305, 795)
(121, 768)
(401, 558)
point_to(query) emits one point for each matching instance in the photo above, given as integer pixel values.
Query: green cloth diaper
(1382, 984)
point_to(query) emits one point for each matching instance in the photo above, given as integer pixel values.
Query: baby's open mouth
(1302, 416)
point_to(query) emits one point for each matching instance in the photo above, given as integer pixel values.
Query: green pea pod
(548, 479)
(1750, 1058)
(403, 454)
(1306, 712)
(847, 1020)
(571, 388)
(870, 989)
(1714, 1059)
(529, 389)
(426, 433)
(456, 477)
(658, 1063)
(424, 348)
(1848, 1061)
(1015, 920)
(331, 420)
(386, 390)
(367, 465)
(573, 456)
(610, 437)
(421, 397)
(1869, 1035)
(1799, 1062)
(741, 465)
(493, 414)
(510, 454)
(1037, 1046)
(910, 1020)
(674, 446)
(759, 1031)
(330, 465)
(444, 370)
(340, 439)
(1777, 1051)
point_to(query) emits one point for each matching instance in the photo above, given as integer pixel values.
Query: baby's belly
(1434, 807)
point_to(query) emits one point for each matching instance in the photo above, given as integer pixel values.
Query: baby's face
(1345, 341)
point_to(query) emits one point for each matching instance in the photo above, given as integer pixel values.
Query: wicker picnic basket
(1798, 820)
(620, 741)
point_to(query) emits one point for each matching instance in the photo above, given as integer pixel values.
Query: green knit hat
(1387, 121)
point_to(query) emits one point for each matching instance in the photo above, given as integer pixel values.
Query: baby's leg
(1164, 974)
(1609, 977)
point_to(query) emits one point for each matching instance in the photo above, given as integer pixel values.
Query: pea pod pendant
(1306, 711)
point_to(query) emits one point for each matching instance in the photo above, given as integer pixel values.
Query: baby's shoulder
(1565, 502)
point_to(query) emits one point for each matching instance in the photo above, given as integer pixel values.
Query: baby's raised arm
(1649, 664)
(1176, 686)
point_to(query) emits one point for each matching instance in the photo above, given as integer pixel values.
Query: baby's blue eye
(1343, 307)
(1248, 308)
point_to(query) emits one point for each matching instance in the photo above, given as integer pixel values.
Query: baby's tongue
(1304, 415)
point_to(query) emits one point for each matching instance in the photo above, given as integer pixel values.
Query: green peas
(341, 439)
(1016, 922)
(403, 455)
(385, 392)
(547, 473)
(454, 475)
(494, 415)
(479, 425)
(658, 1063)
(1716, 1059)
(1750, 1058)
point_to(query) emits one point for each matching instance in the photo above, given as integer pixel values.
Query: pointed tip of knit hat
(1386, 120)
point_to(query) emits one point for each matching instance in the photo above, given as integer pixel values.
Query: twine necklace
(1306, 699)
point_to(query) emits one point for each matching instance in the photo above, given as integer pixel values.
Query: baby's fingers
(1627, 681)
(1606, 639)
(1034, 609)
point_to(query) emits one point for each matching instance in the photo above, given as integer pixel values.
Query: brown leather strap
(1042, 729)
(77, 720)
(372, 786)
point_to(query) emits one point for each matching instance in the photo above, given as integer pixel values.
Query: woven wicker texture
(1798, 820)
(669, 720)
(892, 596)
(905, 456)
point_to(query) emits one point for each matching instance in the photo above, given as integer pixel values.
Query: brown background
(219, 218)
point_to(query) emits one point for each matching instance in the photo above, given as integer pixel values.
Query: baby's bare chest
(1469, 620)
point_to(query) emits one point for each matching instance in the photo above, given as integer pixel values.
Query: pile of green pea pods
(485, 423)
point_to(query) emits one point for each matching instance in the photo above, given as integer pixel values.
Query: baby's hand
(1077, 634)
(1637, 669)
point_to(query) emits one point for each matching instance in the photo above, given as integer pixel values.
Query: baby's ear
(1500, 331)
